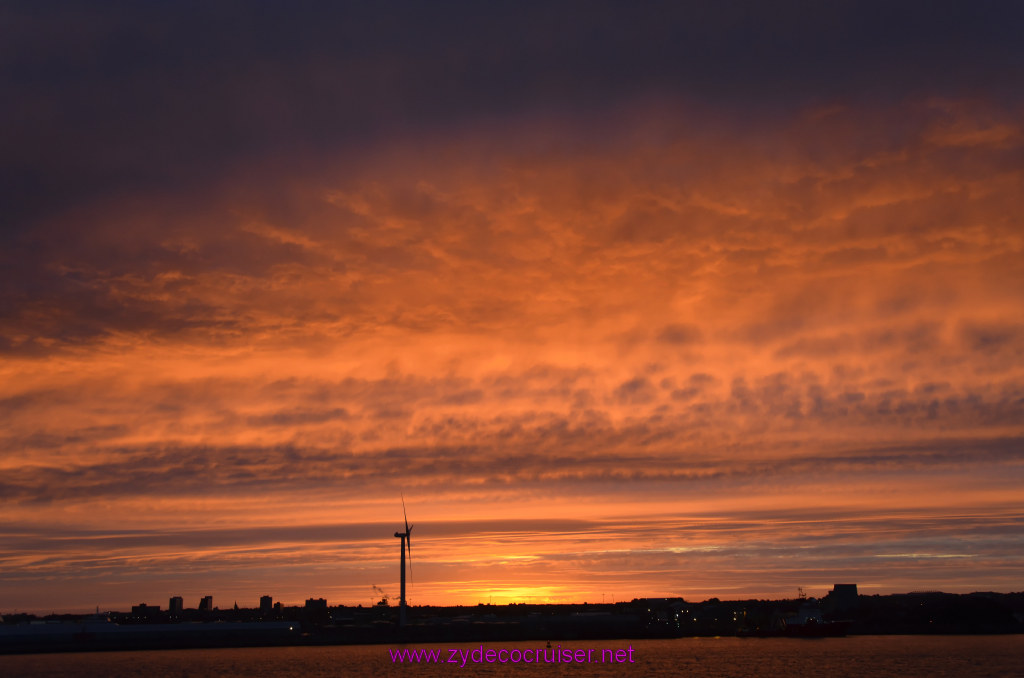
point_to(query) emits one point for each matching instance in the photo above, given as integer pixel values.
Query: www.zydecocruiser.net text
(463, 657)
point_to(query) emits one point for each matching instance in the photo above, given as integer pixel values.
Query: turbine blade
(404, 514)
(408, 547)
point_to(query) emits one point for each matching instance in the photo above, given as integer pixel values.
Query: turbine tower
(406, 544)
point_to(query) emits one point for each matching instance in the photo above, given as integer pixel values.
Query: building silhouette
(143, 612)
(842, 599)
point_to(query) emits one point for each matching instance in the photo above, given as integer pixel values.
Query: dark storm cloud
(267, 256)
(82, 285)
(123, 97)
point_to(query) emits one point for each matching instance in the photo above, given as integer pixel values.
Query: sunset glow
(662, 345)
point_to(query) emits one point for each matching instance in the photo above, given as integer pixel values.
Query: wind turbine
(406, 538)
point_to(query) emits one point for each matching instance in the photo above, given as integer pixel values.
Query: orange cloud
(680, 356)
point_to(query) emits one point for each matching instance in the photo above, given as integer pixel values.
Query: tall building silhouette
(842, 598)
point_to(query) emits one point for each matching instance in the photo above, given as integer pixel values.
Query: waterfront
(894, 656)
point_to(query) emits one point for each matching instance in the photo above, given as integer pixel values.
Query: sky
(682, 299)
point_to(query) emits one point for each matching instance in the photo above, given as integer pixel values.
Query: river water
(895, 656)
